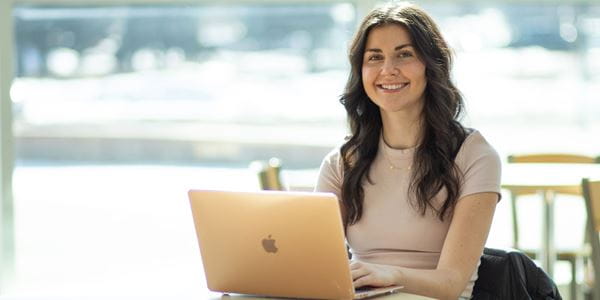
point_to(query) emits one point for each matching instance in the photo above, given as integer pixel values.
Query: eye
(405, 54)
(374, 57)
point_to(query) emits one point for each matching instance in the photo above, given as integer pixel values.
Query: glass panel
(157, 83)
(529, 72)
(120, 110)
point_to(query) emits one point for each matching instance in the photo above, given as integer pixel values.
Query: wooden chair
(573, 255)
(591, 194)
(553, 158)
(269, 174)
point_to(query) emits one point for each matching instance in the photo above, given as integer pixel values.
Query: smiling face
(393, 76)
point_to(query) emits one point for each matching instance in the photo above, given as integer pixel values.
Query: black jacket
(512, 275)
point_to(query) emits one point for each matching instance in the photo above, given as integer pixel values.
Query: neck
(401, 131)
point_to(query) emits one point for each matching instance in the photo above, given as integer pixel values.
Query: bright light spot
(568, 32)
(174, 56)
(497, 30)
(17, 91)
(343, 13)
(215, 34)
(98, 63)
(109, 45)
(144, 59)
(63, 61)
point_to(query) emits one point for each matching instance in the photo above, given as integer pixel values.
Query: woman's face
(393, 76)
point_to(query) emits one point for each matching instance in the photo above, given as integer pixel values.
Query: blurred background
(117, 108)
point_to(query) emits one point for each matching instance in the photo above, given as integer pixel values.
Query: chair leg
(587, 295)
(591, 291)
(515, 220)
(573, 284)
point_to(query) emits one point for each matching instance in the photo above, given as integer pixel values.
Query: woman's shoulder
(480, 165)
(331, 171)
(334, 157)
(335, 153)
(475, 141)
(475, 146)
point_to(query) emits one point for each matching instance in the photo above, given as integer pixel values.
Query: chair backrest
(269, 174)
(556, 158)
(591, 194)
(551, 158)
(548, 158)
(591, 191)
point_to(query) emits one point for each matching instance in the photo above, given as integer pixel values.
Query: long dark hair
(433, 167)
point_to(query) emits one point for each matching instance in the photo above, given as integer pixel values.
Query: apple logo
(269, 245)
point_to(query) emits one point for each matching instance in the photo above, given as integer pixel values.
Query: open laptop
(271, 243)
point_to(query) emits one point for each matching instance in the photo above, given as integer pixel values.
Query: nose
(390, 67)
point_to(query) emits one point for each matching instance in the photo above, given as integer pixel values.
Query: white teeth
(393, 86)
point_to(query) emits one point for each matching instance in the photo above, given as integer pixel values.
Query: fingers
(358, 269)
(365, 274)
(361, 274)
(355, 265)
(363, 281)
(358, 273)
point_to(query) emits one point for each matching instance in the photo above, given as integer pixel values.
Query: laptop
(274, 243)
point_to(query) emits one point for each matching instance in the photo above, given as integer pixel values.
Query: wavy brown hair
(442, 134)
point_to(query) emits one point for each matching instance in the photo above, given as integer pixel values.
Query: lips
(392, 87)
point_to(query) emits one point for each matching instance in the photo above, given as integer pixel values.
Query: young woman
(417, 189)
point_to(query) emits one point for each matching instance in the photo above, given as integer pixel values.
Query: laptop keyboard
(363, 289)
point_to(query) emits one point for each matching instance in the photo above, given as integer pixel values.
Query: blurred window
(528, 71)
(119, 110)
(174, 76)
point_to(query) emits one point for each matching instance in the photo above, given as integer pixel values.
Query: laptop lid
(270, 243)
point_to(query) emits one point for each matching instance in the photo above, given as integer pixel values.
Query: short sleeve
(330, 174)
(480, 165)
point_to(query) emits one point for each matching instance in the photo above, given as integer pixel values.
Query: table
(208, 295)
(547, 180)
(397, 296)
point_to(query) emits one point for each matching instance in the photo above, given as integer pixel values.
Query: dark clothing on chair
(512, 275)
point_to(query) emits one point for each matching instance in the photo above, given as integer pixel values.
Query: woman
(417, 189)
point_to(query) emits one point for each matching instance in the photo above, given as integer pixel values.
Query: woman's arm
(462, 249)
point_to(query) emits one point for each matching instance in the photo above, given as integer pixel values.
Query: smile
(392, 87)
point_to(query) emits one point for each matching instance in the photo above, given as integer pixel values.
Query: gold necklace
(391, 165)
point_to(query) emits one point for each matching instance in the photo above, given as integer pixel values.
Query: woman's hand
(366, 274)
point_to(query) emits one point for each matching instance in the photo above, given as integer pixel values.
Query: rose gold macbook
(279, 244)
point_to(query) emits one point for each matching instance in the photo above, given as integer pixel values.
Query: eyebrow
(395, 49)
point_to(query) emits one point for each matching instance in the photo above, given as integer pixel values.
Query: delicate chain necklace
(391, 165)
